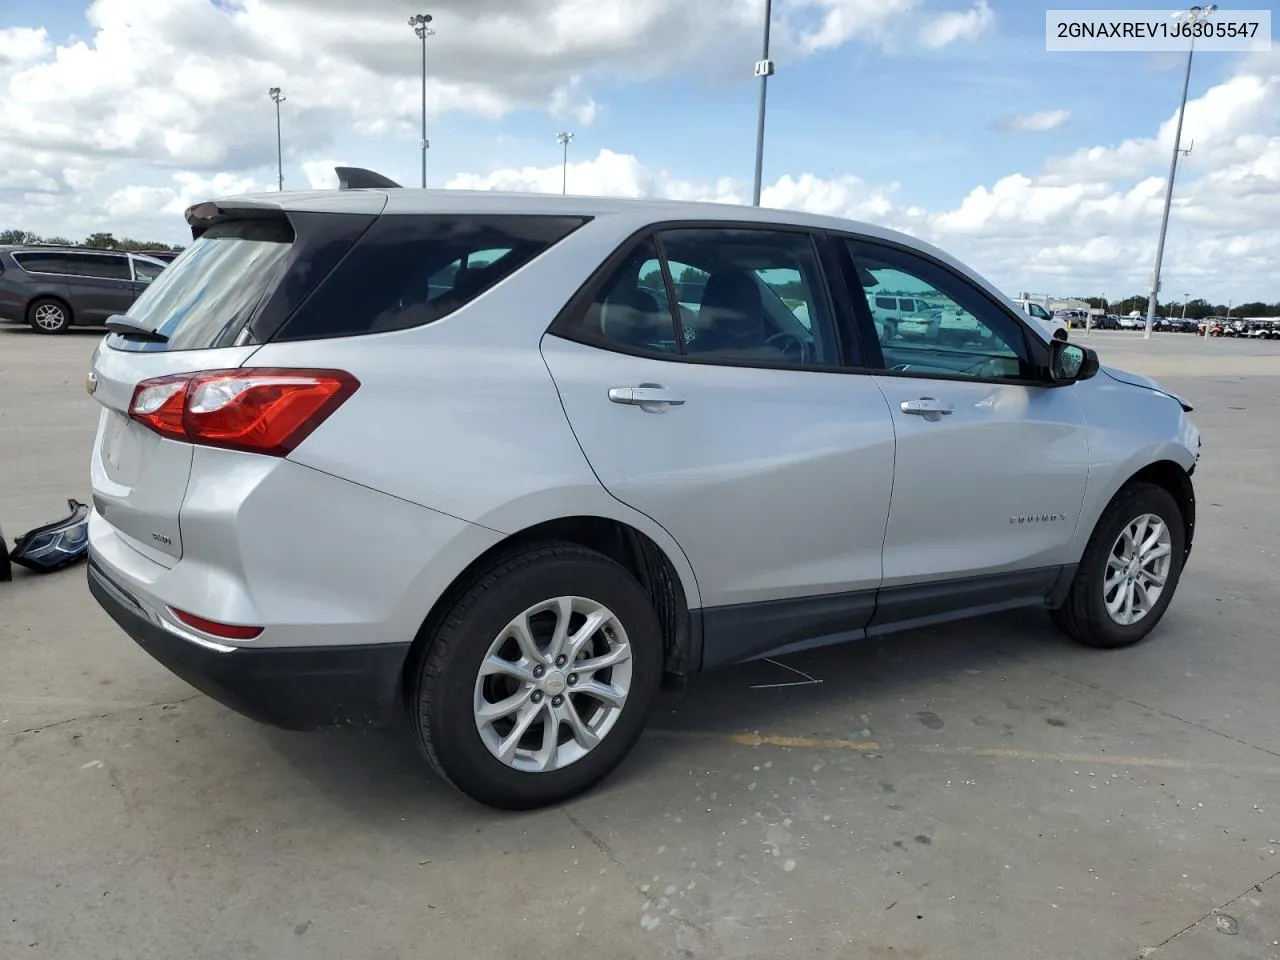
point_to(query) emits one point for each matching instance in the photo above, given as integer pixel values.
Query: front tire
(49, 316)
(1129, 571)
(538, 679)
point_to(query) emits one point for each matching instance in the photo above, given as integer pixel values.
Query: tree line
(95, 241)
(1198, 309)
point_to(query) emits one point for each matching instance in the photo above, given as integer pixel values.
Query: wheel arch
(1173, 478)
(659, 575)
(1163, 472)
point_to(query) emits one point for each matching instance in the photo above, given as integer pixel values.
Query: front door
(735, 428)
(991, 465)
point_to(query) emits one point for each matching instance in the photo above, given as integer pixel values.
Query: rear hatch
(248, 268)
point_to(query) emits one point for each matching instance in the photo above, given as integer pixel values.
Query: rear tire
(49, 315)
(574, 732)
(1110, 574)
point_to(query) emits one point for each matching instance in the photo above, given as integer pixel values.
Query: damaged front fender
(52, 546)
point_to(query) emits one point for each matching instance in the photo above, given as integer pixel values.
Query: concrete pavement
(976, 791)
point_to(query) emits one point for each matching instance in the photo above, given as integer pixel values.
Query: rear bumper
(297, 688)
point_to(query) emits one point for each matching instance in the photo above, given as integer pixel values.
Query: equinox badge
(1039, 518)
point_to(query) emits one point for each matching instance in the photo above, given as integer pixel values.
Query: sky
(943, 118)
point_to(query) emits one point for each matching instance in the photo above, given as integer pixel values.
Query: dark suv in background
(53, 288)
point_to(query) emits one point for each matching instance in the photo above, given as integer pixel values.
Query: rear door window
(40, 262)
(100, 266)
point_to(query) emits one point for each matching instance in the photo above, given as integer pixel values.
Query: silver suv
(472, 455)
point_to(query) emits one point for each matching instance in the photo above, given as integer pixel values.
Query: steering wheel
(790, 344)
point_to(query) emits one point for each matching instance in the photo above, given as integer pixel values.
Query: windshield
(205, 297)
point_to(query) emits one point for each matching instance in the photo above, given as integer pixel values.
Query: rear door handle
(643, 396)
(927, 407)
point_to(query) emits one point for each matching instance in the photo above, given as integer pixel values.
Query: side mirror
(1069, 362)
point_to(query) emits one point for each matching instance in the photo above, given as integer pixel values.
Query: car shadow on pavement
(375, 773)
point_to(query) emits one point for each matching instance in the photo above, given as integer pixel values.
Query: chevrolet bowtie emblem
(91, 382)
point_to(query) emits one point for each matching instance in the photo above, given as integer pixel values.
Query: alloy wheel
(553, 684)
(49, 316)
(1137, 569)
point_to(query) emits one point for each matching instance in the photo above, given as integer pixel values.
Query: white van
(907, 317)
(1054, 326)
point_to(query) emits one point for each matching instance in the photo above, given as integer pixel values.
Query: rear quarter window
(409, 270)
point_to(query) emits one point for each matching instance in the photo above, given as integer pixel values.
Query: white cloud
(129, 202)
(948, 28)
(186, 84)
(607, 174)
(1039, 122)
(136, 201)
(568, 102)
(135, 98)
(839, 21)
(22, 44)
(320, 174)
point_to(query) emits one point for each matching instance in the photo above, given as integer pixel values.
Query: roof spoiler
(358, 178)
(202, 216)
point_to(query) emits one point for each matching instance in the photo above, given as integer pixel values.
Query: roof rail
(357, 178)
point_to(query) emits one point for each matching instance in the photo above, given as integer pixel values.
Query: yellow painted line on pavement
(960, 750)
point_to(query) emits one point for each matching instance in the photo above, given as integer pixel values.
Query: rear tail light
(267, 411)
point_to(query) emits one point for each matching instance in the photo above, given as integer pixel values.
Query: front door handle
(643, 396)
(927, 407)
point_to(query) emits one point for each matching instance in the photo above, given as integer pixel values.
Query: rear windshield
(332, 275)
(205, 298)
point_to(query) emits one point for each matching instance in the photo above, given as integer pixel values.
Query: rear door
(101, 285)
(743, 437)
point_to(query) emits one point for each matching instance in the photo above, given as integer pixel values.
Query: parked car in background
(322, 492)
(168, 256)
(912, 317)
(1054, 326)
(53, 288)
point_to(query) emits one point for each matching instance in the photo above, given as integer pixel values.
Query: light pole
(274, 93)
(564, 138)
(764, 70)
(1185, 298)
(1194, 15)
(419, 23)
